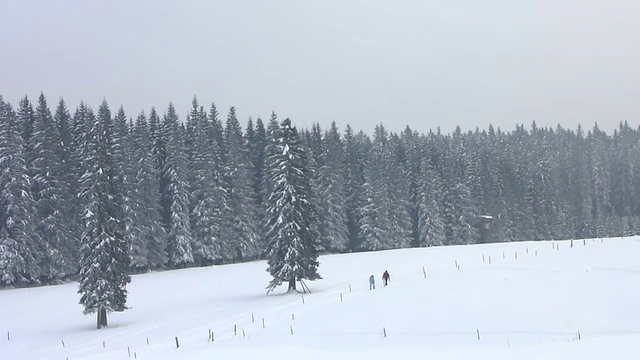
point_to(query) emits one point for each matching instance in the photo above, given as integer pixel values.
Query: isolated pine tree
(292, 251)
(104, 263)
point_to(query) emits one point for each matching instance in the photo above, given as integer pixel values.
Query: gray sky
(420, 63)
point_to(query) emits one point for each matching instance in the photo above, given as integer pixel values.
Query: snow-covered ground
(550, 301)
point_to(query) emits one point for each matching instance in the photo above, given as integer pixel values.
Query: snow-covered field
(550, 301)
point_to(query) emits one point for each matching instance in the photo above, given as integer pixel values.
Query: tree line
(99, 192)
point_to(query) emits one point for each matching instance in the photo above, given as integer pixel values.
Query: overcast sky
(421, 63)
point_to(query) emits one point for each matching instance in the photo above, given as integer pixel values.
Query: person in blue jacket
(372, 282)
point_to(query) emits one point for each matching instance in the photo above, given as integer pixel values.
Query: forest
(193, 190)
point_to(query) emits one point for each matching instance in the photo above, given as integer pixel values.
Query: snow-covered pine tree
(58, 259)
(292, 251)
(146, 236)
(26, 120)
(104, 262)
(174, 191)
(68, 183)
(354, 161)
(241, 221)
(430, 230)
(18, 242)
(206, 198)
(257, 143)
(334, 233)
(411, 168)
(385, 222)
(459, 213)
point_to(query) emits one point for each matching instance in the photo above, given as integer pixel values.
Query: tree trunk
(102, 318)
(292, 284)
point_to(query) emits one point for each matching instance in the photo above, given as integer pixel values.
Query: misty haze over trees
(157, 191)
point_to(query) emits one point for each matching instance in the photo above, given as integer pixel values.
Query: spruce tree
(67, 180)
(292, 251)
(257, 142)
(430, 228)
(174, 191)
(334, 233)
(353, 165)
(145, 234)
(18, 242)
(104, 262)
(58, 259)
(206, 199)
(385, 221)
(241, 223)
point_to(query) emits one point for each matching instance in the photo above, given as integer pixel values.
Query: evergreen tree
(257, 141)
(292, 251)
(241, 223)
(173, 189)
(334, 233)
(459, 212)
(354, 162)
(58, 258)
(104, 255)
(67, 180)
(207, 196)
(146, 236)
(430, 228)
(18, 243)
(411, 163)
(385, 222)
(27, 120)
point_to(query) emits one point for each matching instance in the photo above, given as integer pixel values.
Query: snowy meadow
(525, 300)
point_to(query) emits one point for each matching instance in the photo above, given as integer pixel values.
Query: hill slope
(524, 300)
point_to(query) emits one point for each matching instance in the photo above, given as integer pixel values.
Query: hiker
(372, 282)
(386, 277)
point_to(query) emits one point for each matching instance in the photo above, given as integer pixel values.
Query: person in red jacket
(386, 277)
